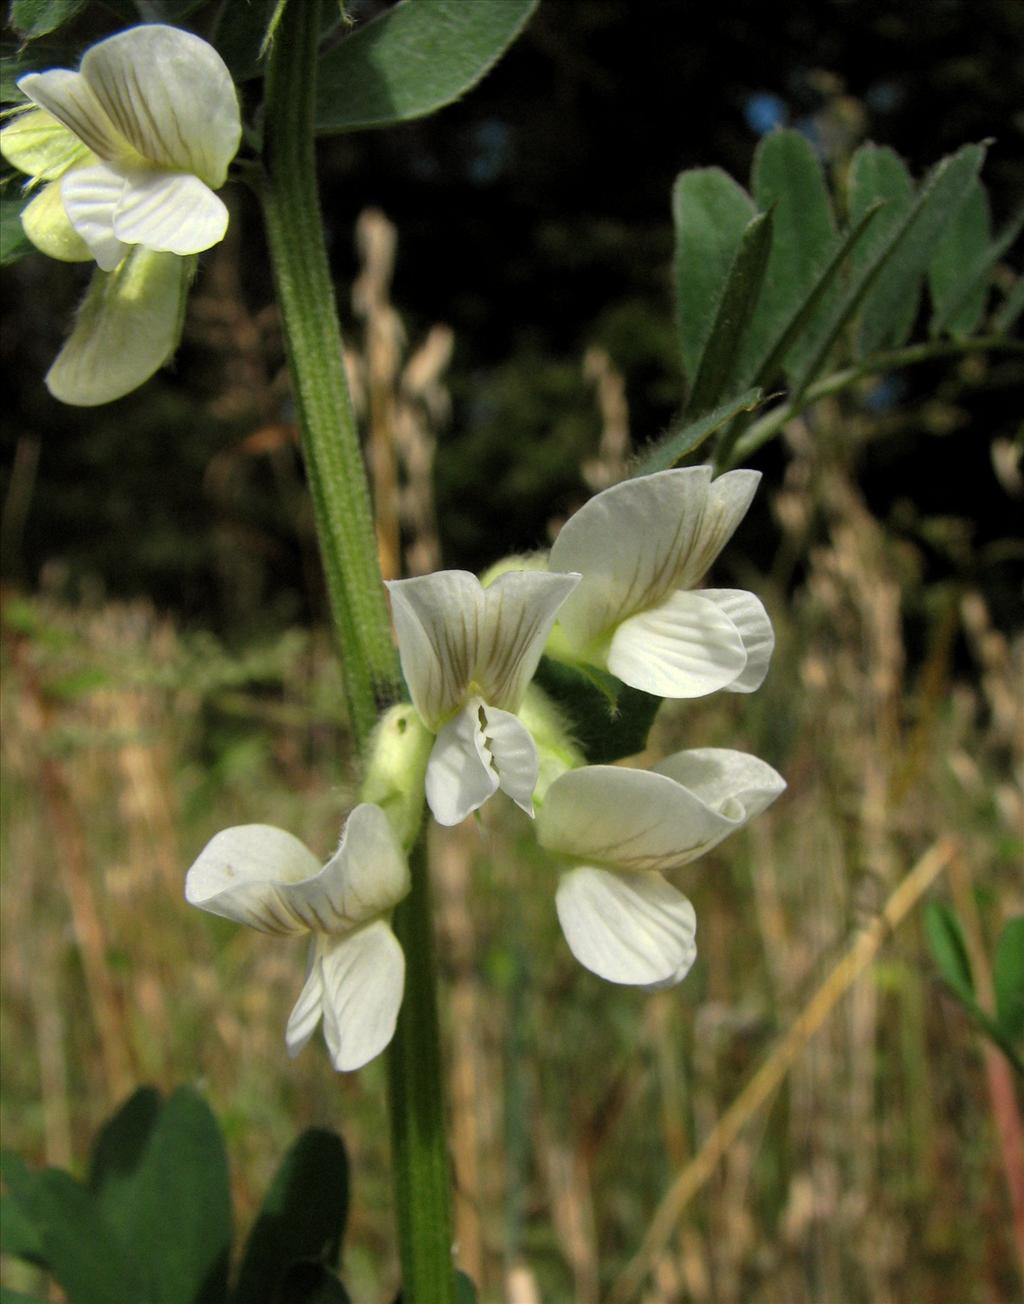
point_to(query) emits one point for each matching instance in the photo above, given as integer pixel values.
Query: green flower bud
(398, 754)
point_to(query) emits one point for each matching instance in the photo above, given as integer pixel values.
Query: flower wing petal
(513, 755)
(726, 505)
(68, 97)
(363, 981)
(734, 784)
(244, 873)
(90, 197)
(630, 820)
(752, 623)
(460, 776)
(686, 647)
(635, 929)
(127, 327)
(173, 212)
(170, 95)
(307, 1010)
(630, 543)
(437, 621)
(519, 609)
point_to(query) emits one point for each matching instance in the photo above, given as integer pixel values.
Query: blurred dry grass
(873, 1174)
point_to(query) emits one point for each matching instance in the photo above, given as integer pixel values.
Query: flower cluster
(617, 594)
(126, 155)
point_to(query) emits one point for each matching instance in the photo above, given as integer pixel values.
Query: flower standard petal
(127, 327)
(754, 627)
(437, 621)
(368, 875)
(68, 97)
(460, 776)
(170, 95)
(735, 784)
(726, 504)
(363, 981)
(631, 820)
(685, 647)
(519, 609)
(627, 928)
(170, 211)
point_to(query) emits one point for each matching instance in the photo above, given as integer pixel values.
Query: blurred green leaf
(710, 212)
(1008, 978)
(609, 720)
(787, 177)
(736, 310)
(14, 243)
(8, 1296)
(974, 282)
(32, 18)
(302, 1218)
(1010, 309)
(674, 447)
(951, 270)
(19, 1235)
(465, 1290)
(117, 1156)
(180, 1219)
(412, 60)
(879, 176)
(949, 951)
(310, 1283)
(79, 1248)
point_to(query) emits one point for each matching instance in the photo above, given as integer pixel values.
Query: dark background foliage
(533, 218)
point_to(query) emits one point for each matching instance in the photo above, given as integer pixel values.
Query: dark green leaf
(412, 60)
(1008, 979)
(958, 295)
(1010, 309)
(311, 1283)
(32, 18)
(807, 312)
(79, 1248)
(241, 32)
(465, 1291)
(302, 1218)
(714, 381)
(788, 178)
(974, 283)
(879, 175)
(8, 1296)
(675, 446)
(19, 1235)
(180, 1222)
(14, 243)
(908, 246)
(117, 1157)
(609, 720)
(710, 212)
(949, 951)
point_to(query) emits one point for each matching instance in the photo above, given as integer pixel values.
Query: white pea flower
(641, 546)
(617, 830)
(266, 878)
(468, 654)
(128, 152)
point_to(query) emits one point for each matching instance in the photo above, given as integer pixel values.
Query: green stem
(330, 439)
(419, 1147)
(770, 424)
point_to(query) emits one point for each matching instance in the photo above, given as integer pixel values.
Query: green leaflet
(879, 175)
(958, 293)
(412, 60)
(32, 18)
(710, 212)
(974, 281)
(674, 447)
(787, 177)
(1008, 979)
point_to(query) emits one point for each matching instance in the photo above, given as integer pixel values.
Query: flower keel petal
(460, 775)
(91, 197)
(686, 647)
(513, 755)
(306, 1014)
(171, 212)
(754, 627)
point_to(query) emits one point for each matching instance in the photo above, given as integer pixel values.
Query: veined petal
(368, 874)
(437, 621)
(513, 756)
(685, 647)
(307, 1010)
(91, 197)
(519, 609)
(67, 97)
(37, 144)
(630, 820)
(460, 775)
(726, 504)
(752, 623)
(171, 96)
(363, 981)
(173, 212)
(48, 226)
(244, 874)
(127, 326)
(630, 544)
(634, 929)
(734, 784)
